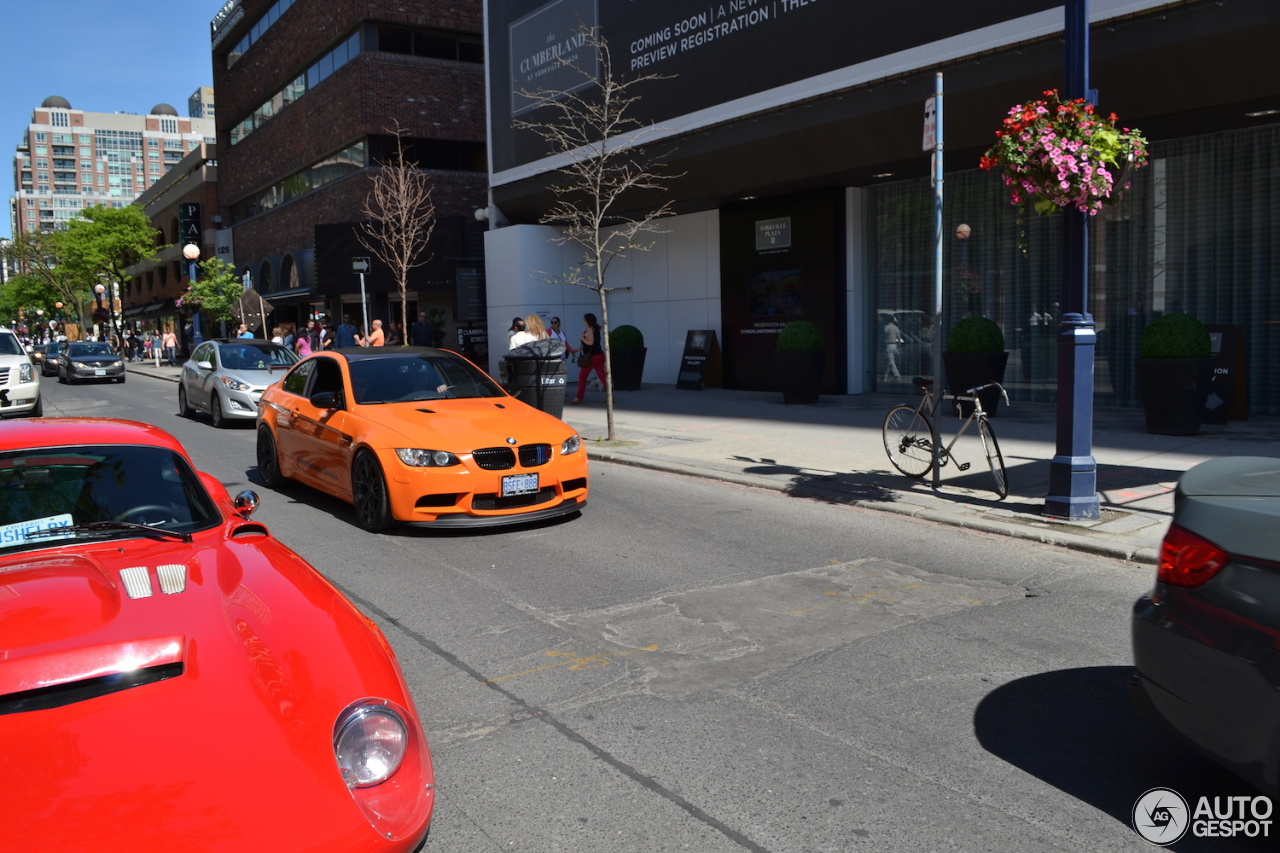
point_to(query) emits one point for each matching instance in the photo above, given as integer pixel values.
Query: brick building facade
(309, 93)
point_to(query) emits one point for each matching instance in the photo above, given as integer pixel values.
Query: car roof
(354, 354)
(62, 432)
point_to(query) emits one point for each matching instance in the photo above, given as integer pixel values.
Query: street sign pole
(361, 266)
(933, 108)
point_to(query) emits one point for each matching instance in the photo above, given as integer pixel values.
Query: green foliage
(1175, 336)
(801, 336)
(216, 289)
(975, 334)
(626, 337)
(106, 242)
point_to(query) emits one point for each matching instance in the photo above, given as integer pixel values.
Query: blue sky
(101, 55)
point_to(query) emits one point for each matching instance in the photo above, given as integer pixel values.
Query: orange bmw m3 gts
(418, 435)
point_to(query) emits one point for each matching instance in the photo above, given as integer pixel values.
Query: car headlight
(369, 742)
(420, 458)
(26, 373)
(79, 364)
(572, 445)
(115, 363)
(234, 384)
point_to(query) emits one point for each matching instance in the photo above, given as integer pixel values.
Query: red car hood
(487, 422)
(240, 657)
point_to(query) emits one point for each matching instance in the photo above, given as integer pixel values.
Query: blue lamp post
(192, 252)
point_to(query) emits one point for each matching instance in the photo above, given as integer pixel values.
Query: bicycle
(908, 434)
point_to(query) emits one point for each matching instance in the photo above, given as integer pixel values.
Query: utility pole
(1073, 472)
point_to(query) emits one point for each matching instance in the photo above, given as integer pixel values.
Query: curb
(1129, 553)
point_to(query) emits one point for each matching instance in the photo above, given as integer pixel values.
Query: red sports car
(174, 678)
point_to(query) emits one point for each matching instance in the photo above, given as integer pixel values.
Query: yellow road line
(575, 662)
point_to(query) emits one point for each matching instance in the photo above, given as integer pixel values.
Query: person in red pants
(592, 349)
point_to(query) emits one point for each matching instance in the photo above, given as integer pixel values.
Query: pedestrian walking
(556, 333)
(422, 333)
(169, 342)
(346, 334)
(590, 357)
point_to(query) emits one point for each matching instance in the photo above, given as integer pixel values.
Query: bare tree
(400, 217)
(592, 129)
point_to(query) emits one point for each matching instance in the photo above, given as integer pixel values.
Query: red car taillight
(1187, 559)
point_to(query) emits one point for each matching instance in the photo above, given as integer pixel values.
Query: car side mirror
(245, 503)
(204, 365)
(326, 400)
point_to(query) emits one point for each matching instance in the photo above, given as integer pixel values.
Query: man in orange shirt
(376, 337)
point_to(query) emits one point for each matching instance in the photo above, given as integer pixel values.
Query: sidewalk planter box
(1174, 370)
(1174, 391)
(967, 370)
(626, 356)
(800, 359)
(801, 372)
(975, 355)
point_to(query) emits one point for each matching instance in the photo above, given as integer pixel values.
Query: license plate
(99, 373)
(519, 484)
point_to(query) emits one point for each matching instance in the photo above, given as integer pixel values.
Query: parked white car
(19, 379)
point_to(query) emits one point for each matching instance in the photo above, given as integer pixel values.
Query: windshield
(89, 349)
(44, 490)
(255, 356)
(10, 345)
(406, 378)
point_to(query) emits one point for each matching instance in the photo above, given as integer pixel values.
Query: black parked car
(1206, 639)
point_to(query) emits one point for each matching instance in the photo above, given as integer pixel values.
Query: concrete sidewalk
(834, 451)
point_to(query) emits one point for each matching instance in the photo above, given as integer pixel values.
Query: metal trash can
(534, 373)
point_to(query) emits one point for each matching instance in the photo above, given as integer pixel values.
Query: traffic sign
(359, 264)
(930, 125)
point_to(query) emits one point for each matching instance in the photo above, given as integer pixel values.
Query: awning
(289, 297)
(153, 309)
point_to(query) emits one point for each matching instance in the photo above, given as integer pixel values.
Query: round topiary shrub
(626, 337)
(1175, 336)
(801, 336)
(975, 334)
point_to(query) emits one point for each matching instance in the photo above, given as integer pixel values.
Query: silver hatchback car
(226, 377)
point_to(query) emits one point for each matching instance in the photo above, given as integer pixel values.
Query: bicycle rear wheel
(994, 459)
(908, 439)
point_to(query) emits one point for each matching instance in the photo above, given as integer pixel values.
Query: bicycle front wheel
(994, 459)
(908, 439)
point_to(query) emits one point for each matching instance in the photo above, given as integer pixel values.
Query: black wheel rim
(267, 457)
(369, 496)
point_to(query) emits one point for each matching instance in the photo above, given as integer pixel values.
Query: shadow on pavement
(1075, 730)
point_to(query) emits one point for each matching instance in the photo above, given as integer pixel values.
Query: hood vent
(137, 580)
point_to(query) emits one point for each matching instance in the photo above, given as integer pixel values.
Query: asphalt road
(696, 666)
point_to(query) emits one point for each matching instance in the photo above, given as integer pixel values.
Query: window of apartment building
(85, 139)
(57, 118)
(168, 125)
(63, 139)
(153, 155)
(346, 51)
(42, 176)
(40, 136)
(155, 168)
(42, 149)
(42, 162)
(86, 151)
(436, 44)
(153, 142)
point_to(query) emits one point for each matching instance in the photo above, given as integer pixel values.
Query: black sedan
(1206, 639)
(81, 360)
(49, 364)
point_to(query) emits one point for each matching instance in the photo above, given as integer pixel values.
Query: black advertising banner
(711, 53)
(189, 223)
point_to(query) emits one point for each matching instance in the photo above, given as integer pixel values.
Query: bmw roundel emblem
(511, 441)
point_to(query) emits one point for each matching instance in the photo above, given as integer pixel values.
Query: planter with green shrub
(975, 355)
(1175, 369)
(800, 358)
(626, 354)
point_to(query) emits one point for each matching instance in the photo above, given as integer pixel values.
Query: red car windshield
(46, 494)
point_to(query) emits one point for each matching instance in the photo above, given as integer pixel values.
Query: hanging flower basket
(1061, 154)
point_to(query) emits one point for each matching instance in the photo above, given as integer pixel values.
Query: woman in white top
(533, 331)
